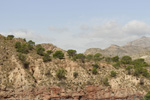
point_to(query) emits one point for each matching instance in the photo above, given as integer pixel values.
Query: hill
(46, 72)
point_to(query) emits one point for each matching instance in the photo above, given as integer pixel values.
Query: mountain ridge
(139, 46)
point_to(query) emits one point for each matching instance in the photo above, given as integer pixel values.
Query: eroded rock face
(91, 92)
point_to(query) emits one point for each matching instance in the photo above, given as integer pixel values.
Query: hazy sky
(76, 24)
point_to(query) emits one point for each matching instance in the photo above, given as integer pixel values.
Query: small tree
(113, 74)
(10, 37)
(139, 63)
(71, 52)
(117, 65)
(81, 57)
(145, 72)
(18, 45)
(97, 56)
(89, 57)
(128, 68)
(58, 54)
(46, 58)
(24, 48)
(61, 73)
(126, 60)
(115, 59)
(75, 74)
(40, 50)
(31, 44)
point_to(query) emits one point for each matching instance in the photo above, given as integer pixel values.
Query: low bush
(58, 54)
(61, 73)
(23, 60)
(117, 65)
(147, 96)
(115, 59)
(40, 50)
(126, 60)
(71, 52)
(46, 58)
(10, 37)
(113, 74)
(89, 57)
(75, 74)
(105, 81)
(49, 52)
(94, 70)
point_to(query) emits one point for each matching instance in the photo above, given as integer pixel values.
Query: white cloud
(57, 29)
(29, 35)
(84, 36)
(103, 35)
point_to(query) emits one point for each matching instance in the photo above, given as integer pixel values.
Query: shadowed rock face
(90, 92)
(140, 46)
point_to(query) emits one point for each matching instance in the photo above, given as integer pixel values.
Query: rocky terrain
(36, 79)
(136, 49)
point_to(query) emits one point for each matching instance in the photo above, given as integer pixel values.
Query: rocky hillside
(45, 72)
(136, 49)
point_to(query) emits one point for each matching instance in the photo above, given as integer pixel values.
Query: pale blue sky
(76, 24)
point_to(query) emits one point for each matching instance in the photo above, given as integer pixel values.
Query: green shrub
(108, 59)
(58, 54)
(46, 58)
(24, 48)
(126, 60)
(30, 44)
(22, 57)
(49, 52)
(10, 37)
(141, 71)
(137, 72)
(75, 74)
(23, 60)
(94, 70)
(147, 96)
(139, 63)
(97, 57)
(116, 65)
(81, 57)
(105, 81)
(145, 73)
(40, 50)
(128, 68)
(115, 59)
(95, 65)
(89, 57)
(71, 52)
(113, 74)
(18, 45)
(61, 73)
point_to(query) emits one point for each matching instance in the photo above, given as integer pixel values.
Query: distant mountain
(142, 42)
(136, 48)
